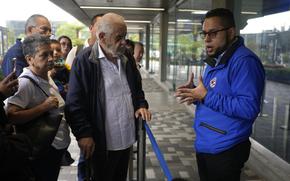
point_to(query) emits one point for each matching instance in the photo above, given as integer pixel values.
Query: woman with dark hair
(37, 94)
(66, 45)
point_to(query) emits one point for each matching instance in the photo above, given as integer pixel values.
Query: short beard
(221, 50)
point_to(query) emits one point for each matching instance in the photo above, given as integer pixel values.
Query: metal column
(141, 145)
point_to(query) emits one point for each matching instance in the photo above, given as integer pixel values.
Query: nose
(206, 37)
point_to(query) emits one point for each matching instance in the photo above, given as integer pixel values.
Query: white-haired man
(104, 99)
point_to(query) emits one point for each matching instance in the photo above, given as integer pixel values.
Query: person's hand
(189, 83)
(51, 102)
(87, 146)
(52, 72)
(9, 85)
(144, 113)
(191, 95)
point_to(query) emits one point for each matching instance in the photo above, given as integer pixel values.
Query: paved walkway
(172, 128)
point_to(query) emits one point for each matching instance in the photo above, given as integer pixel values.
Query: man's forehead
(212, 23)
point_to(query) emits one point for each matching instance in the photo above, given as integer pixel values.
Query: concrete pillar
(147, 46)
(163, 45)
(235, 7)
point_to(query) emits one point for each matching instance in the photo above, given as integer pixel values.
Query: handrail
(158, 153)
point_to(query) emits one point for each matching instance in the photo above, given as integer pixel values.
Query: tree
(73, 31)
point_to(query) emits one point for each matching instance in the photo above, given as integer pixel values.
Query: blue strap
(158, 153)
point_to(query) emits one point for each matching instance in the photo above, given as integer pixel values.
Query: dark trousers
(112, 167)
(224, 166)
(47, 167)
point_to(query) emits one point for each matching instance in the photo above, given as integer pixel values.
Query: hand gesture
(144, 113)
(9, 85)
(189, 83)
(189, 95)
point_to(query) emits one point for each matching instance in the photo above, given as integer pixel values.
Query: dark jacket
(14, 52)
(85, 102)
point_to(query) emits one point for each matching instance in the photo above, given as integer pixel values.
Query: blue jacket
(85, 101)
(14, 52)
(232, 103)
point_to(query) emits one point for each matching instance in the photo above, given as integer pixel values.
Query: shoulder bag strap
(35, 83)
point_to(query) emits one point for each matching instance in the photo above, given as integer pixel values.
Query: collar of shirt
(101, 53)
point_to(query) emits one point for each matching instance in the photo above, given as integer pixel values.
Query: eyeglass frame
(212, 34)
(46, 31)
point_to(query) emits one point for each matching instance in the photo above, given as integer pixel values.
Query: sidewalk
(172, 127)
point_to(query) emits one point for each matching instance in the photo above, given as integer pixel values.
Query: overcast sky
(268, 23)
(22, 9)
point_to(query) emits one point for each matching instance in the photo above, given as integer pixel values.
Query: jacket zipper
(213, 128)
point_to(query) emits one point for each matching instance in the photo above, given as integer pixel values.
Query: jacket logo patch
(212, 82)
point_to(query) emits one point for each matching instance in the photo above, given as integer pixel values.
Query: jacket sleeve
(138, 96)
(246, 79)
(76, 109)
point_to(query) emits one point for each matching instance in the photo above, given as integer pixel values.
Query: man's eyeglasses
(44, 30)
(211, 34)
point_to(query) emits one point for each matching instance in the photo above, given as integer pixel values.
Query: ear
(101, 36)
(91, 27)
(29, 30)
(29, 59)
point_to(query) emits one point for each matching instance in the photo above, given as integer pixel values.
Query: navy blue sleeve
(7, 66)
(247, 79)
(14, 52)
(76, 109)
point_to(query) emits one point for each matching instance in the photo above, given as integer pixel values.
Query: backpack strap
(35, 83)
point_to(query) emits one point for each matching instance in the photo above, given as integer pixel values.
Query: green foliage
(134, 37)
(77, 42)
(21, 36)
(73, 31)
(11, 38)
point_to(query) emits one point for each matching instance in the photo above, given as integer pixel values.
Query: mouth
(209, 49)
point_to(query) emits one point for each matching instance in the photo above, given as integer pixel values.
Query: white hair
(109, 22)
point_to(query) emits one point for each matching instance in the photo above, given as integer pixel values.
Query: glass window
(271, 42)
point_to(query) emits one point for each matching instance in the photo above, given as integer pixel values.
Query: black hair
(54, 41)
(69, 40)
(33, 42)
(226, 16)
(94, 18)
(130, 45)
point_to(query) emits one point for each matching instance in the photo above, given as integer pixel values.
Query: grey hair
(31, 21)
(33, 42)
(108, 22)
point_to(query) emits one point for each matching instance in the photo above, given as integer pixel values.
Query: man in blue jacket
(14, 58)
(227, 99)
(105, 97)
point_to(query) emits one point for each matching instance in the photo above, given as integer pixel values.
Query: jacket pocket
(213, 128)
